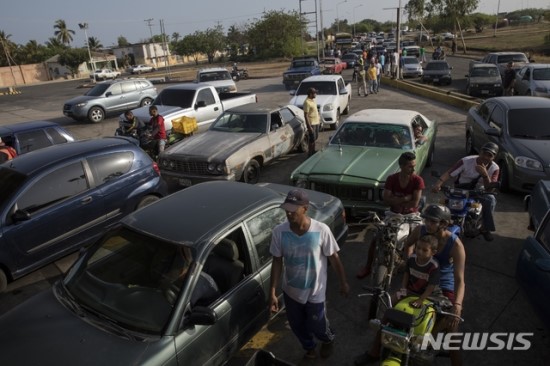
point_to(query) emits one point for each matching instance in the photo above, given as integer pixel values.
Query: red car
(333, 65)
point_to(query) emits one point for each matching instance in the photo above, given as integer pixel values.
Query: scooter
(238, 74)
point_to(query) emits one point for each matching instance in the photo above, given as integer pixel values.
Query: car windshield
(484, 71)
(177, 98)
(303, 63)
(541, 74)
(410, 61)
(529, 123)
(328, 61)
(214, 76)
(10, 181)
(126, 278)
(323, 87)
(518, 57)
(97, 90)
(373, 135)
(244, 123)
(437, 66)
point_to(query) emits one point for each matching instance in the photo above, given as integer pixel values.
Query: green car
(363, 152)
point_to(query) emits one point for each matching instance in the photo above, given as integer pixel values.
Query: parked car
(236, 145)
(25, 137)
(350, 59)
(443, 37)
(537, 203)
(362, 153)
(521, 128)
(483, 80)
(332, 65)
(121, 304)
(501, 59)
(110, 97)
(299, 69)
(104, 74)
(219, 78)
(533, 269)
(437, 72)
(412, 51)
(333, 97)
(61, 197)
(138, 69)
(534, 80)
(411, 67)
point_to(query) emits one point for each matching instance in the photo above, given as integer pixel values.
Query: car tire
(3, 281)
(469, 90)
(470, 150)
(336, 123)
(251, 173)
(504, 177)
(145, 101)
(147, 200)
(96, 114)
(346, 111)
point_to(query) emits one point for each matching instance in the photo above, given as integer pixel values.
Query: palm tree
(175, 37)
(63, 34)
(94, 43)
(7, 48)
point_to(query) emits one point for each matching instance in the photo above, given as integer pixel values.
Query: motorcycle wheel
(245, 75)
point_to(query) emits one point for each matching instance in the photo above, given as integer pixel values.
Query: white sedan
(138, 69)
(534, 80)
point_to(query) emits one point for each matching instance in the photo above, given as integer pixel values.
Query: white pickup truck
(193, 100)
(333, 97)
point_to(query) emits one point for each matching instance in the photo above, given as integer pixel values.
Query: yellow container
(424, 318)
(185, 125)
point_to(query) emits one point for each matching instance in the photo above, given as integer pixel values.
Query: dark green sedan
(363, 152)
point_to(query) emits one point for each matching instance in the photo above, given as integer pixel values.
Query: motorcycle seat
(399, 319)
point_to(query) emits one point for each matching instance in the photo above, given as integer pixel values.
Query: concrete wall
(23, 74)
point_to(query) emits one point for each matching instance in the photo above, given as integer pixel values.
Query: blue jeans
(488, 203)
(308, 320)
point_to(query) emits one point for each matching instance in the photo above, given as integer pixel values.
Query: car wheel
(96, 114)
(346, 111)
(145, 101)
(504, 177)
(430, 159)
(336, 122)
(251, 173)
(469, 90)
(147, 200)
(139, 72)
(3, 281)
(470, 145)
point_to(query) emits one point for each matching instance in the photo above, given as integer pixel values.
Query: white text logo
(477, 341)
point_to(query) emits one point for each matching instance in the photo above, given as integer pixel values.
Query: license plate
(485, 92)
(184, 182)
(436, 80)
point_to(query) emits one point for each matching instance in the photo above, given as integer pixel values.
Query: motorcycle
(238, 74)
(404, 328)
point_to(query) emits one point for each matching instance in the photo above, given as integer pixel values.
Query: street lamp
(358, 6)
(337, 17)
(85, 27)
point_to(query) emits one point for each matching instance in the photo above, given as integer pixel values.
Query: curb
(10, 91)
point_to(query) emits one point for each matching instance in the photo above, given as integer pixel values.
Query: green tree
(190, 46)
(212, 41)
(73, 58)
(7, 49)
(33, 53)
(480, 21)
(277, 34)
(236, 39)
(94, 43)
(122, 41)
(62, 33)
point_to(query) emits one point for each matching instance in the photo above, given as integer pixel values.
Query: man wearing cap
(509, 79)
(303, 245)
(311, 115)
(472, 170)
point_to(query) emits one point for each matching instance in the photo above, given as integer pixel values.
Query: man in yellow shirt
(373, 77)
(311, 115)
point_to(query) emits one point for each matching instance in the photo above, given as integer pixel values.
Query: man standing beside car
(509, 79)
(311, 115)
(300, 248)
(158, 130)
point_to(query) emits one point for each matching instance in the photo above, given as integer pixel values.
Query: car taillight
(156, 168)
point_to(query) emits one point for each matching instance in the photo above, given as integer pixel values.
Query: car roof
(26, 126)
(260, 107)
(389, 116)
(506, 53)
(35, 160)
(212, 69)
(322, 78)
(189, 215)
(480, 65)
(522, 102)
(537, 66)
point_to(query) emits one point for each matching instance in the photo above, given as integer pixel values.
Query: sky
(27, 20)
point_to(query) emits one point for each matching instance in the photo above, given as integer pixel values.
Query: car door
(341, 94)
(281, 139)
(63, 210)
(114, 100)
(296, 123)
(130, 94)
(421, 150)
(481, 123)
(210, 111)
(522, 81)
(240, 313)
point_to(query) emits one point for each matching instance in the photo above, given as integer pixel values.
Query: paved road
(493, 302)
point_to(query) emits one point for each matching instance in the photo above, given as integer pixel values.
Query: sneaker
(488, 236)
(364, 271)
(365, 359)
(326, 349)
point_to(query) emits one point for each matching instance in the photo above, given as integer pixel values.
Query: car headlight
(456, 204)
(328, 107)
(216, 168)
(395, 341)
(300, 183)
(80, 105)
(232, 88)
(497, 85)
(528, 163)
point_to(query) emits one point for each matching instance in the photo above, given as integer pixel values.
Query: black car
(59, 198)
(437, 72)
(25, 137)
(139, 297)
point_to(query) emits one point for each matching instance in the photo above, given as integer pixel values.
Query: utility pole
(85, 27)
(322, 29)
(496, 22)
(150, 24)
(166, 48)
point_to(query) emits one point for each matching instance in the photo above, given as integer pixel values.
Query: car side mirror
(343, 91)
(292, 92)
(491, 131)
(108, 94)
(202, 315)
(200, 104)
(21, 215)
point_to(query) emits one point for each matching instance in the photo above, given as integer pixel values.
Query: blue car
(25, 137)
(533, 268)
(57, 199)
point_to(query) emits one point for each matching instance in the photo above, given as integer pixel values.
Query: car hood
(485, 79)
(299, 69)
(212, 145)
(437, 72)
(536, 149)
(321, 99)
(81, 99)
(351, 162)
(42, 331)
